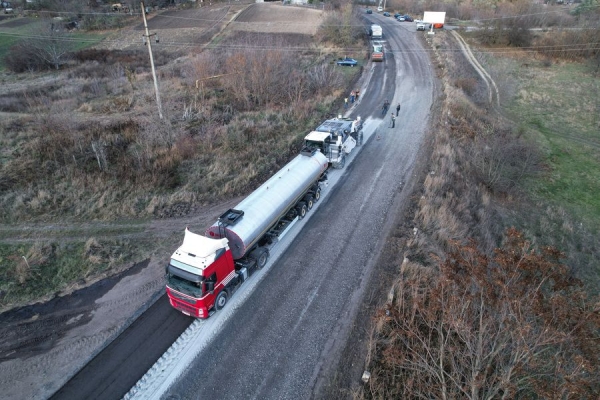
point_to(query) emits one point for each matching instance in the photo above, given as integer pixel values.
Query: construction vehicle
(206, 270)
(336, 138)
(378, 53)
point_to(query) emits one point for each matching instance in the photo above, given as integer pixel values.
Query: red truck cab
(198, 274)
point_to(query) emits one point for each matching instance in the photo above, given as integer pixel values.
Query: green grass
(31, 271)
(41, 279)
(558, 106)
(11, 35)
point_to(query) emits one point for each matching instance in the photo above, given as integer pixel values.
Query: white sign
(432, 17)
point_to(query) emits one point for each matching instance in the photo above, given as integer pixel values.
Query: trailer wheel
(260, 255)
(301, 209)
(221, 299)
(309, 201)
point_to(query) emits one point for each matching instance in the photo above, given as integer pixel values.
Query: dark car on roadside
(386, 14)
(347, 61)
(397, 15)
(408, 18)
(369, 11)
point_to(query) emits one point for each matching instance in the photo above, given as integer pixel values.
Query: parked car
(397, 15)
(400, 18)
(421, 26)
(347, 61)
(379, 9)
(386, 14)
(408, 18)
(369, 11)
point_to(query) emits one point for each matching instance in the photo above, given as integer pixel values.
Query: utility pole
(147, 35)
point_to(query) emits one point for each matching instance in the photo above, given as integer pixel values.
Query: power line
(165, 15)
(171, 44)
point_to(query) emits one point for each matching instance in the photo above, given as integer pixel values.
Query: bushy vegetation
(451, 330)
(86, 143)
(514, 324)
(213, 125)
(342, 28)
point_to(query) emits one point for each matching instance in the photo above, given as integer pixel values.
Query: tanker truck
(205, 270)
(335, 138)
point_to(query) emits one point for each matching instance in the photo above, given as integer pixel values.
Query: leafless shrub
(51, 51)
(570, 44)
(468, 85)
(502, 160)
(26, 266)
(342, 28)
(512, 324)
(13, 103)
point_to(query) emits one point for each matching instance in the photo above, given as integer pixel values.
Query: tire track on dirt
(493, 91)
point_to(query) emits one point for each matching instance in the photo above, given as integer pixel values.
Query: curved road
(290, 328)
(284, 340)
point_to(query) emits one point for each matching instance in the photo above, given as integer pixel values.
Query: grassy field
(14, 30)
(559, 107)
(39, 269)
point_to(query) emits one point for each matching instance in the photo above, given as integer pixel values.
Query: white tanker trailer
(204, 270)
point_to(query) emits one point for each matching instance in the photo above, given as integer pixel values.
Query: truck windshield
(184, 286)
(313, 145)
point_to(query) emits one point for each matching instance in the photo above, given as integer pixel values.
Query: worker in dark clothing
(386, 106)
(397, 109)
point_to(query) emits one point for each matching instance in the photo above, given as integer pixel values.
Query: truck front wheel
(221, 300)
(317, 194)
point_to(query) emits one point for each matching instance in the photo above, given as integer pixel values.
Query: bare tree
(54, 47)
(511, 325)
(51, 49)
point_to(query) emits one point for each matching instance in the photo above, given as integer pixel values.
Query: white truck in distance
(335, 138)
(376, 32)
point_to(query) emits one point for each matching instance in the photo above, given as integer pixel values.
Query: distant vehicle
(386, 14)
(8, 11)
(369, 11)
(421, 26)
(376, 32)
(347, 61)
(397, 15)
(379, 9)
(400, 18)
(408, 18)
(377, 54)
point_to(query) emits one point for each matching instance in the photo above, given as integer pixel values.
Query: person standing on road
(397, 109)
(393, 120)
(386, 106)
(357, 93)
(352, 97)
(345, 102)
